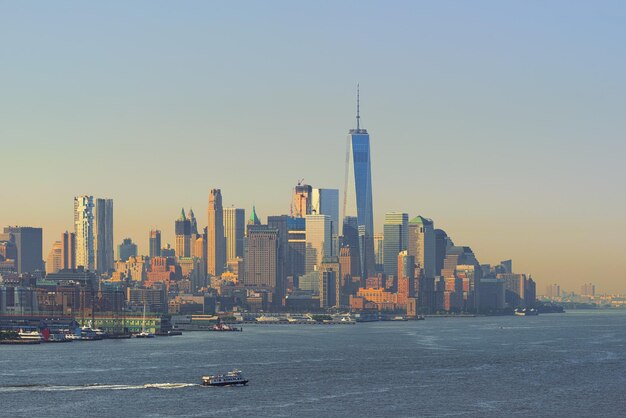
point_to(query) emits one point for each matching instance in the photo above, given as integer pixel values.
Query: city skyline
(513, 146)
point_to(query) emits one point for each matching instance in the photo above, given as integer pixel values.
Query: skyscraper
(394, 241)
(281, 223)
(84, 230)
(350, 238)
(301, 205)
(103, 235)
(261, 263)
(330, 282)
(296, 253)
(193, 224)
(441, 246)
(126, 250)
(68, 240)
(216, 244)
(55, 258)
(28, 242)
(318, 240)
(155, 243)
(234, 232)
(421, 244)
(326, 202)
(182, 228)
(358, 190)
(379, 251)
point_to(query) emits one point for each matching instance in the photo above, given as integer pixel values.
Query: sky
(502, 121)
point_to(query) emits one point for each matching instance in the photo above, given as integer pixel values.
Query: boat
(223, 327)
(30, 335)
(268, 319)
(232, 378)
(526, 312)
(144, 333)
(58, 338)
(83, 334)
(100, 333)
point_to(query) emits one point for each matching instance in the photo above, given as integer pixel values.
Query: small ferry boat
(223, 327)
(232, 378)
(526, 312)
(30, 335)
(58, 338)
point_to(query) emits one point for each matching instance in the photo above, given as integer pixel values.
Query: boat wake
(91, 386)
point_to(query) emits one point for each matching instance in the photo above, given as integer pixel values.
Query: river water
(571, 364)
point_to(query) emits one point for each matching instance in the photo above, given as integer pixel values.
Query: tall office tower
(421, 244)
(193, 224)
(379, 251)
(366, 256)
(281, 223)
(103, 235)
(395, 240)
(199, 249)
(406, 277)
(441, 247)
(318, 240)
(8, 252)
(28, 243)
(326, 202)
(84, 230)
(55, 258)
(296, 253)
(182, 229)
(155, 243)
(507, 265)
(330, 282)
(530, 293)
(301, 205)
(261, 262)
(358, 190)
(126, 250)
(350, 238)
(234, 232)
(216, 245)
(349, 260)
(68, 241)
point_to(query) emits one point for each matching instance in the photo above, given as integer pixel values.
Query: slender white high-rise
(84, 230)
(93, 226)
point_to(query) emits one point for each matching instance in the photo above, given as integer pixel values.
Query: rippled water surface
(570, 364)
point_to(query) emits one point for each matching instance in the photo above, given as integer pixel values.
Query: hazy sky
(503, 121)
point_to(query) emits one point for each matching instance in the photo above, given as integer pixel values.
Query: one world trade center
(358, 195)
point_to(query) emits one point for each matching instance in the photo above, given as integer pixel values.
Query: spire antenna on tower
(358, 115)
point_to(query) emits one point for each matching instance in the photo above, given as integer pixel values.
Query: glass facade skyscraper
(361, 178)
(395, 240)
(359, 188)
